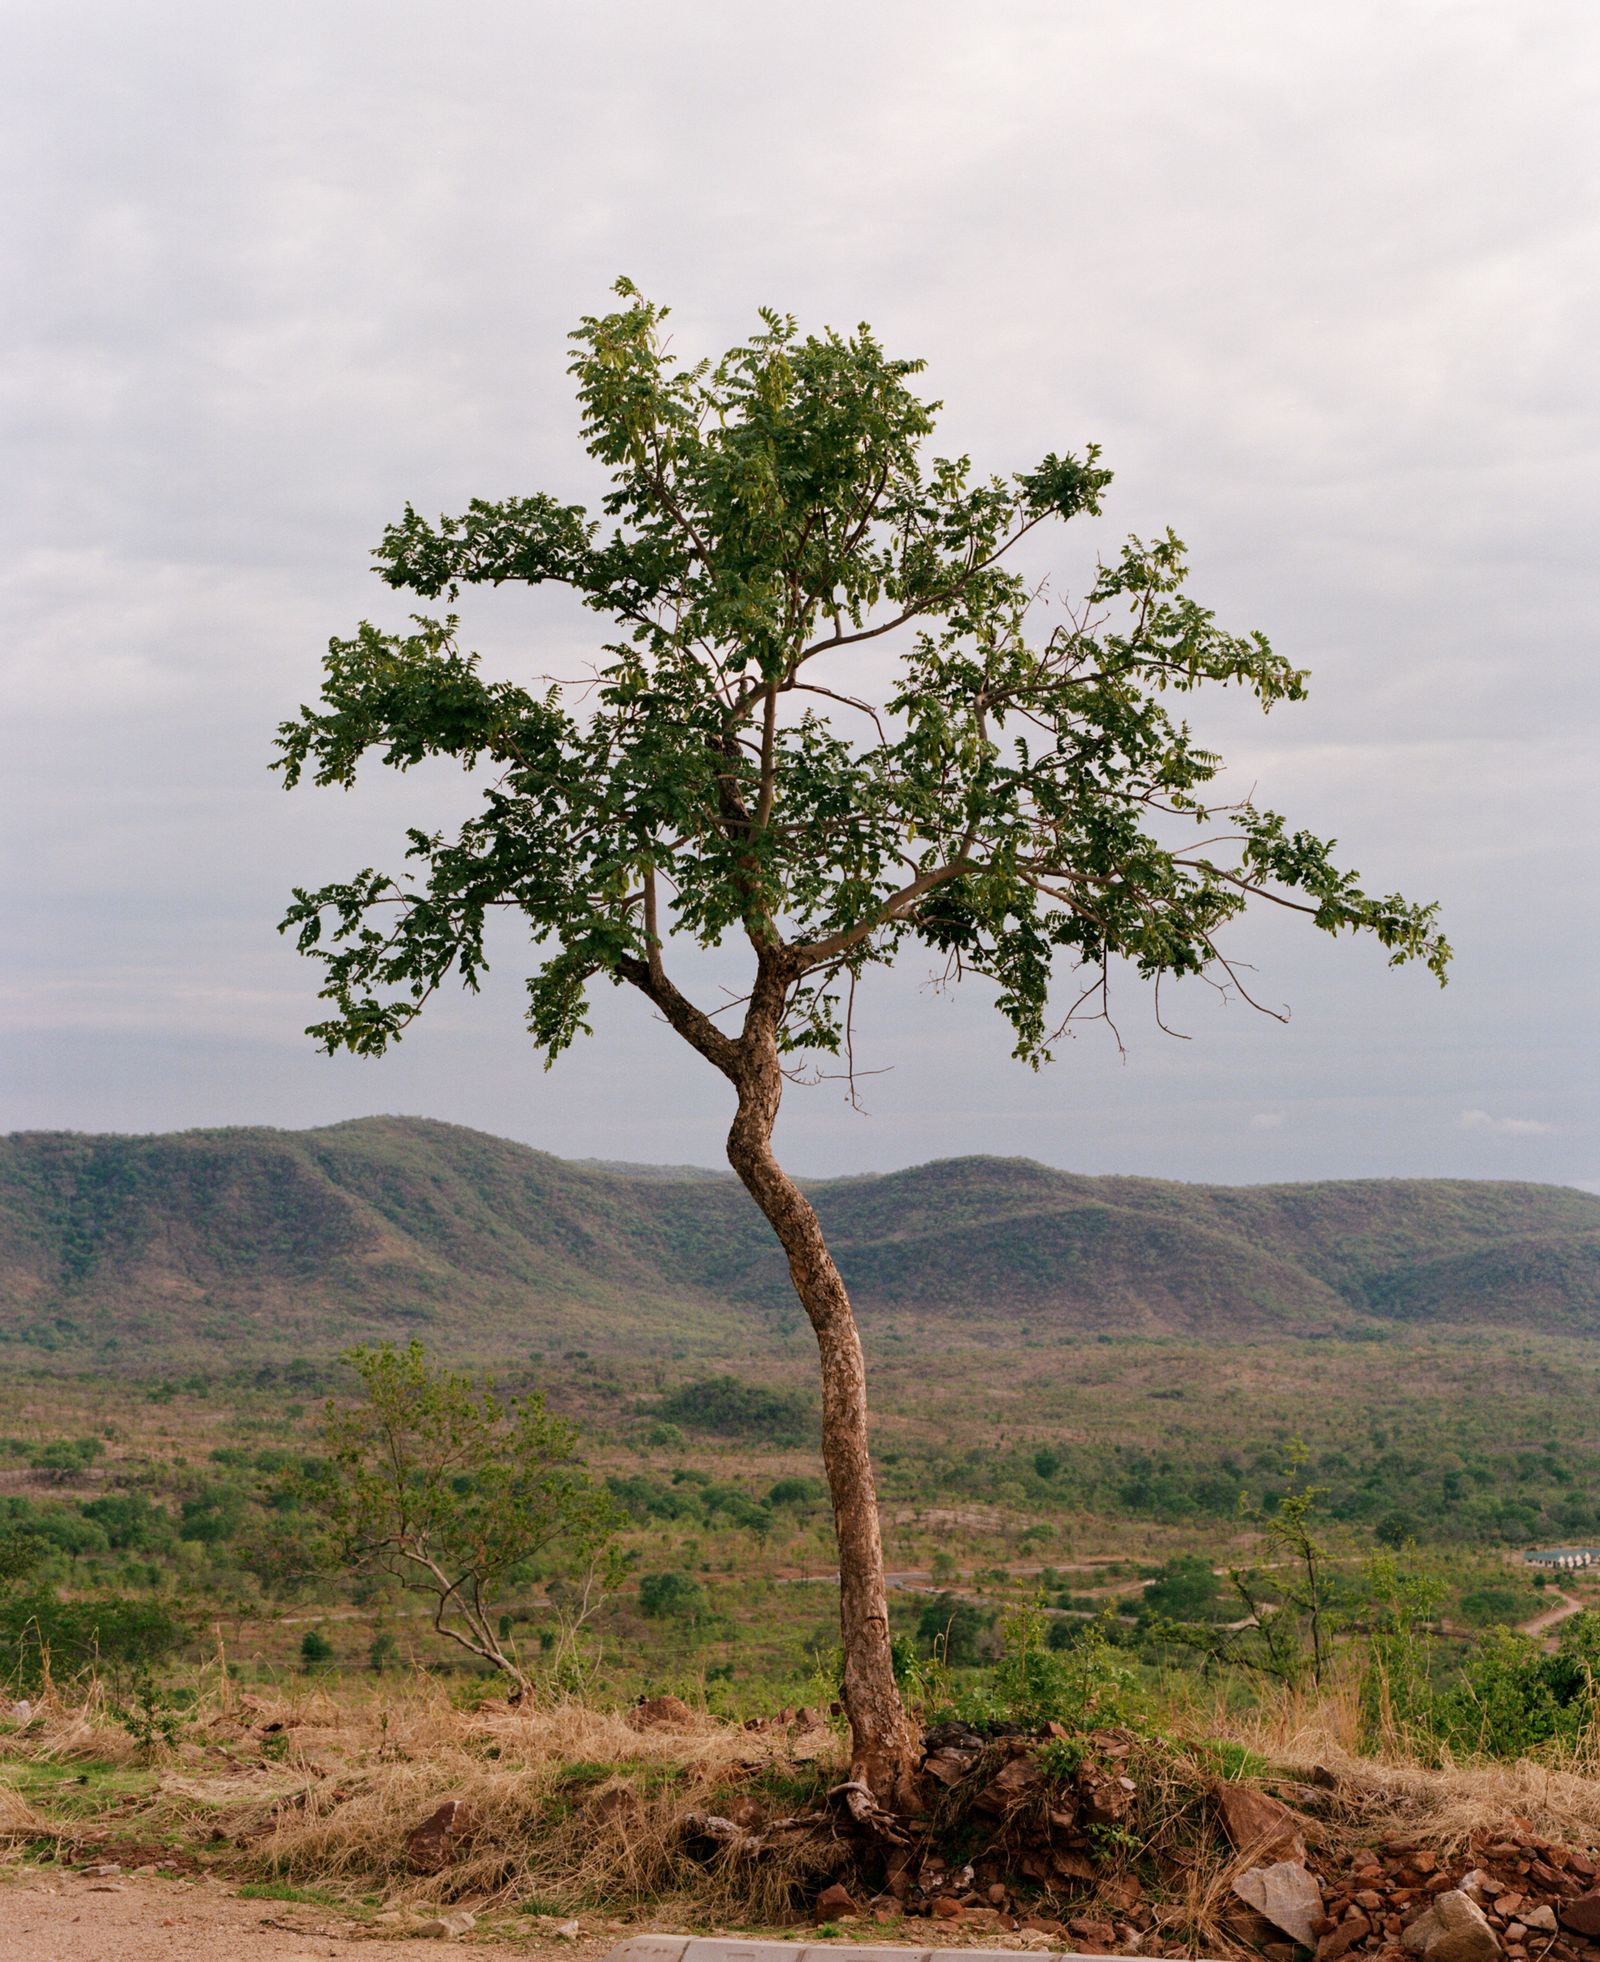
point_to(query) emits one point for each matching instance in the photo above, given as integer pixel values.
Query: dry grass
(573, 1808)
(1413, 1788)
(18, 1820)
(577, 1811)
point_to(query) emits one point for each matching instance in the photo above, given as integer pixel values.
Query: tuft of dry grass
(18, 1820)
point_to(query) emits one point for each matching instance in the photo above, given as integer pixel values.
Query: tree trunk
(884, 1743)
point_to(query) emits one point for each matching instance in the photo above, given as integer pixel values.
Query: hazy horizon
(652, 1168)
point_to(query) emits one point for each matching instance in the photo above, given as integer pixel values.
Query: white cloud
(1267, 1120)
(1504, 1127)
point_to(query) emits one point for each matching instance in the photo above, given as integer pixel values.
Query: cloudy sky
(1324, 281)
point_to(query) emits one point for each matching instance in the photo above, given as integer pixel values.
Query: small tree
(1016, 799)
(1284, 1600)
(450, 1490)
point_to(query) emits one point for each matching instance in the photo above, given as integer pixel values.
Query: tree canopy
(1023, 796)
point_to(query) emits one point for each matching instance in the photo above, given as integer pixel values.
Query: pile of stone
(1516, 1895)
(1054, 1832)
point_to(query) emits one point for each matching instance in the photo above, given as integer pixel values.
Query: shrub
(673, 1595)
(1184, 1589)
(316, 1651)
(214, 1515)
(954, 1629)
(797, 1492)
(67, 1458)
(1485, 1607)
(130, 1522)
(728, 1408)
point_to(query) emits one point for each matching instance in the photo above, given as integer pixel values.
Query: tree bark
(884, 1743)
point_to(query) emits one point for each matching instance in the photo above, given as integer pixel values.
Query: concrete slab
(694, 1948)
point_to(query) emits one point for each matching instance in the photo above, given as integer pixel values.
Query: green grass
(283, 1890)
(76, 1789)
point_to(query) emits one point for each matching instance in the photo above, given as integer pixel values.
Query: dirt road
(72, 1918)
(1548, 1618)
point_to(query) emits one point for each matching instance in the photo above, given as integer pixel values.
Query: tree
(1018, 800)
(451, 1491)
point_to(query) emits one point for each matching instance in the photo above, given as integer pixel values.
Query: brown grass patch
(573, 1809)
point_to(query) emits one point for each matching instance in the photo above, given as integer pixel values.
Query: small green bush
(316, 1651)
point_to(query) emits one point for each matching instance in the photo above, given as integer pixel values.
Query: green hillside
(258, 1242)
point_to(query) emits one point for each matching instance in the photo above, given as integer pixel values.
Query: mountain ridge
(138, 1248)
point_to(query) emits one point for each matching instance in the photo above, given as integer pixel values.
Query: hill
(257, 1242)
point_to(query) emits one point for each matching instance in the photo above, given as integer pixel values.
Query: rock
(947, 1908)
(1009, 1783)
(1287, 1895)
(950, 1765)
(1454, 1929)
(1258, 1824)
(566, 1931)
(1105, 1800)
(447, 1926)
(102, 1869)
(1122, 1890)
(1095, 1934)
(666, 1713)
(432, 1845)
(997, 1894)
(1582, 1915)
(1354, 1928)
(834, 1901)
(1543, 1918)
